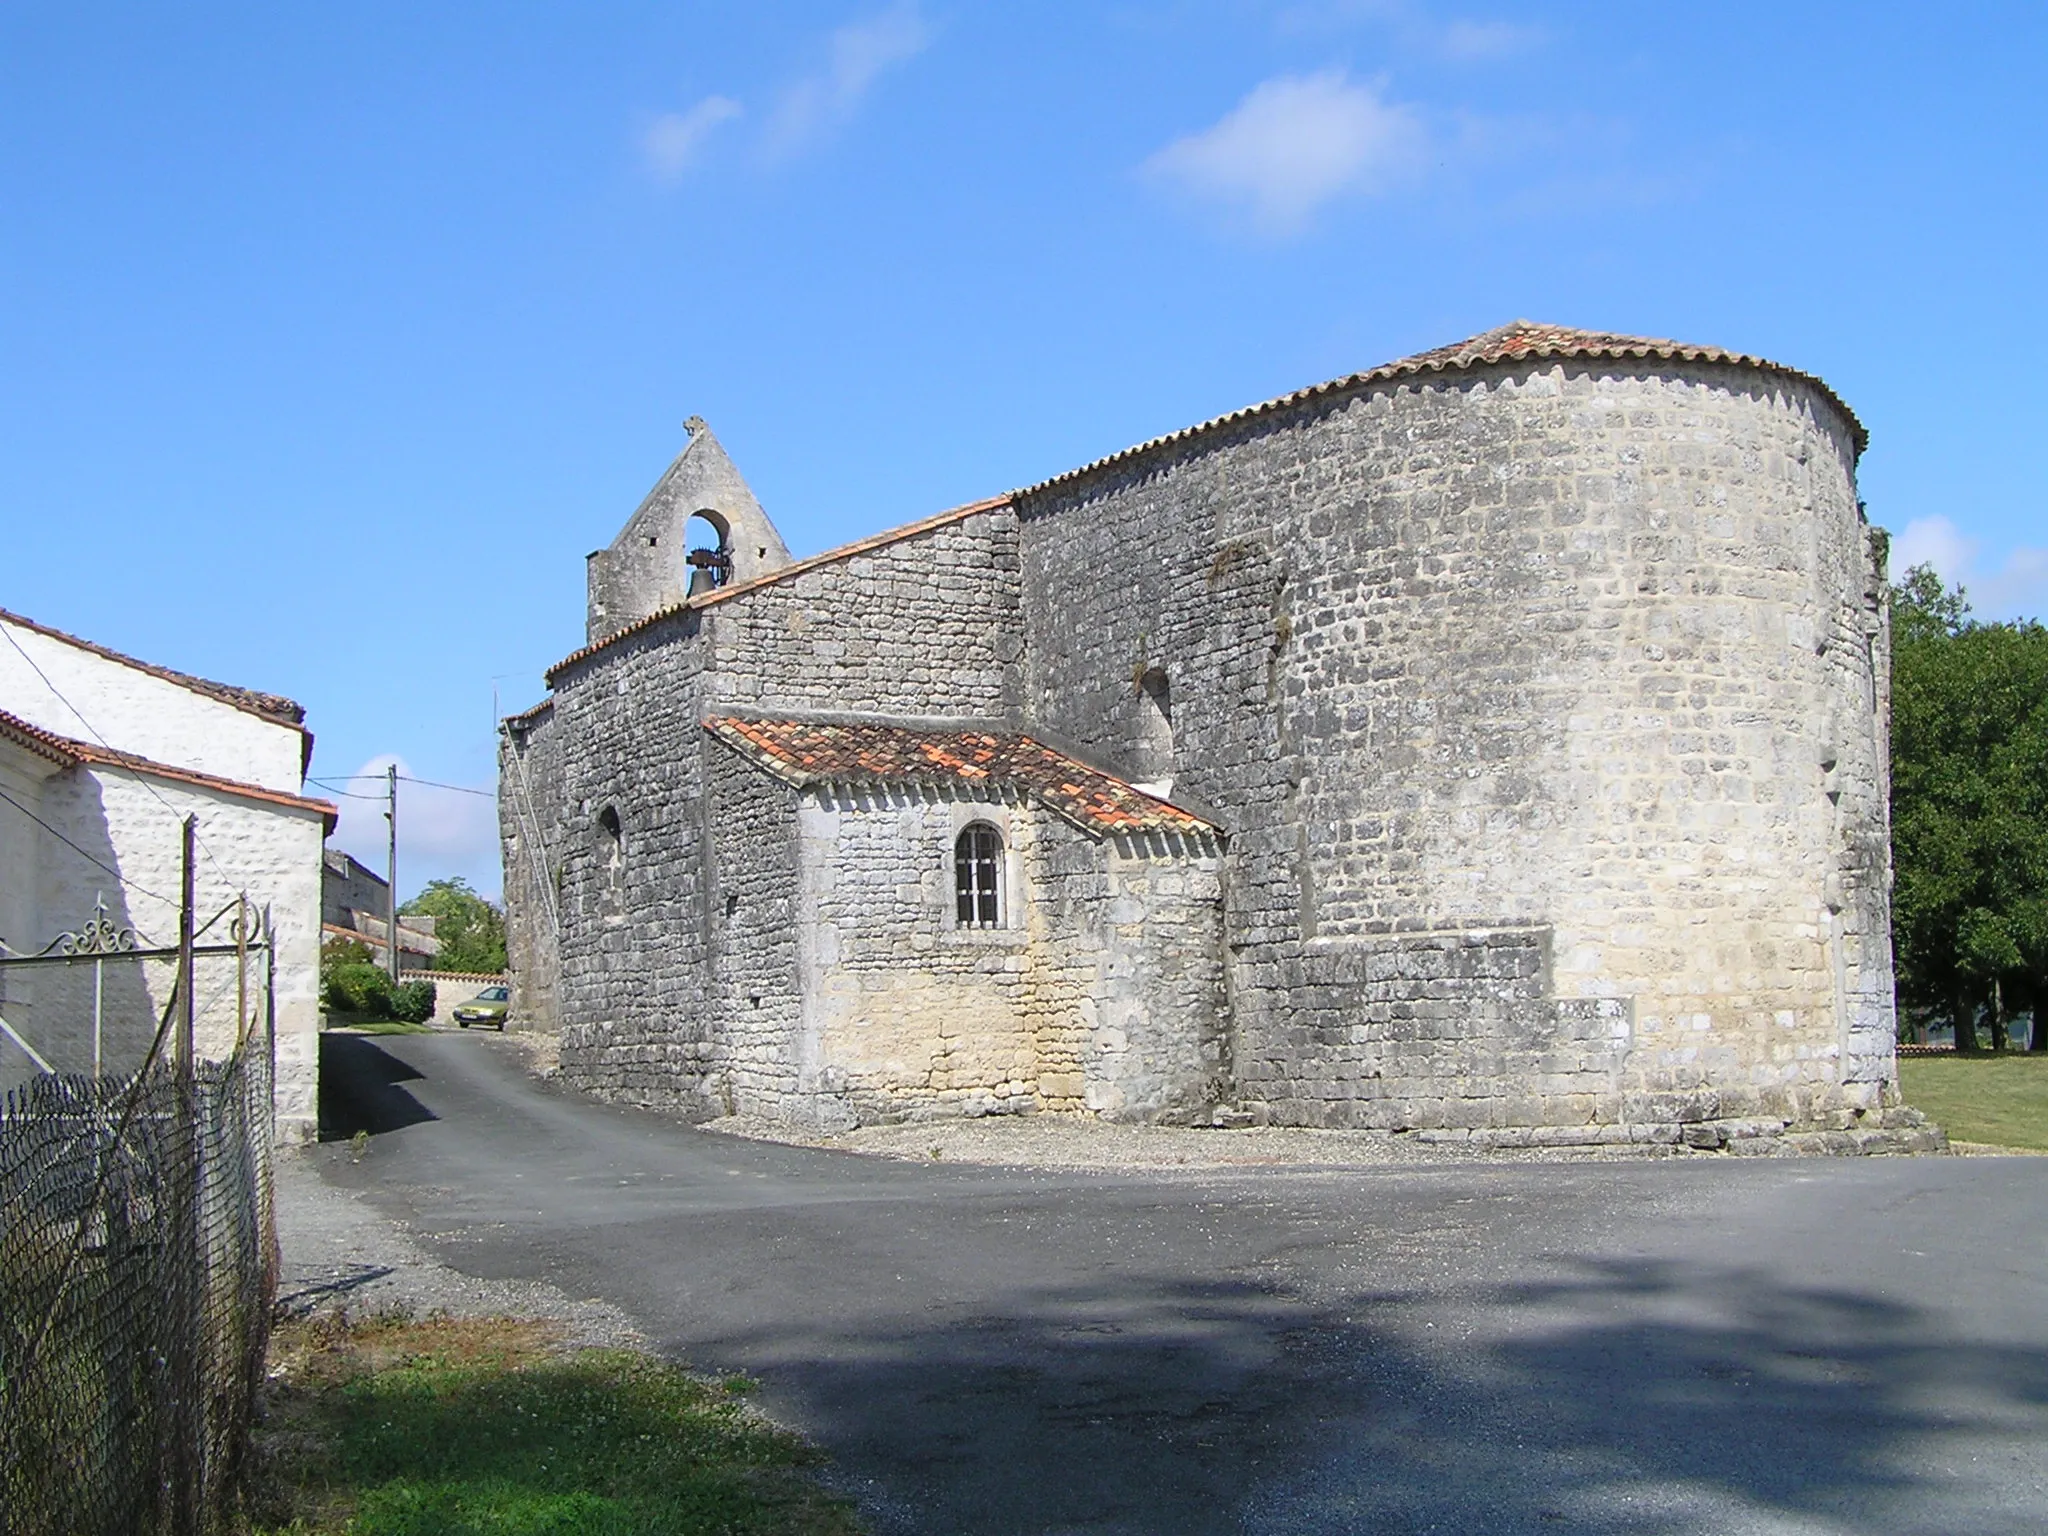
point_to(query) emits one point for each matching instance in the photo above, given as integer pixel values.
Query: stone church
(1490, 745)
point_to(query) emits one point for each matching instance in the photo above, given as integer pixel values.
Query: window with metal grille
(978, 876)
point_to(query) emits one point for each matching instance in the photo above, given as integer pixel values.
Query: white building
(102, 757)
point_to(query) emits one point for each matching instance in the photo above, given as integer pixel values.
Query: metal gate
(138, 1258)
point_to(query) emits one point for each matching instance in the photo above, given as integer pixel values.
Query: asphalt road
(1696, 1345)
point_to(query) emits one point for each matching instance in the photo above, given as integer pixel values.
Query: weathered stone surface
(1541, 703)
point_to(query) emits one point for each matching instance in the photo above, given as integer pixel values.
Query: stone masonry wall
(530, 834)
(754, 1005)
(1102, 991)
(907, 1014)
(925, 625)
(1159, 1049)
(635, 947)
(1548, 646)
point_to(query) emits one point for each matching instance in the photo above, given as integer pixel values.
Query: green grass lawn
(445, 1427)
(2002, 1100)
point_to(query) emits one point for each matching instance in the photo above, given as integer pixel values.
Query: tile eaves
(1518, 341)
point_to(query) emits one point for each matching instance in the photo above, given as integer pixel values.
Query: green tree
(1969, 809)
(470, 929)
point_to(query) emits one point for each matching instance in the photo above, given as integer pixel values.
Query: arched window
(611, 853)
(978, 876)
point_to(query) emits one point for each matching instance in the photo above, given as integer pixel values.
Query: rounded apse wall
(1597, 646)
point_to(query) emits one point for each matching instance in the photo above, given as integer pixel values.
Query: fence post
(184, 1051)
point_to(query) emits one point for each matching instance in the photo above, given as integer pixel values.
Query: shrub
(412, 1002)
(340, 951)
(358, 987)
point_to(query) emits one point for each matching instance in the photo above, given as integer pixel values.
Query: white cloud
(441, 833)
(1412, 25)
(858, 54)
(672, 140)
(1293, 145)
(2017, 588)
(1486, 39)
(1937, 542)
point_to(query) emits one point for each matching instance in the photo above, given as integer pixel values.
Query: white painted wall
(22, 774)
(129, 820)
(137, 712)
(132, 823)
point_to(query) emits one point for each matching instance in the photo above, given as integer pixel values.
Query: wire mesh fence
(138, 1266)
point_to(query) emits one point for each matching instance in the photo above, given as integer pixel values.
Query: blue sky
(331, 339)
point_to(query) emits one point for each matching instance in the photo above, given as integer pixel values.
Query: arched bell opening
(708, 537)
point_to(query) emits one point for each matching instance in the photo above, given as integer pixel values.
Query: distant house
(354, 904)
(102, 757)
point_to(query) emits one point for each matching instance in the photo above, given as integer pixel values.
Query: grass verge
(2000, 1100)
(395, 1426)
(377, 1026)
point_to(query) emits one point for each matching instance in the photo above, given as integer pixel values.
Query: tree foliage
(470, 929)
(1969, 807)
(358, 987)
(412, 1002)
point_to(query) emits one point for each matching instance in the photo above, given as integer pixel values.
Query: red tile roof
(530, 714)
(1509, 343)
(37, 740)
(270, 706)
(71, 753)
(810, 752)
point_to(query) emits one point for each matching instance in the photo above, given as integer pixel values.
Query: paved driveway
(1691, 1345)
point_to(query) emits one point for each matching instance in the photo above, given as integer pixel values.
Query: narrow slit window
(978, 876)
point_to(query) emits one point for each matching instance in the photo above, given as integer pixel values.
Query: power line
(404, 778)
(346, 794)
(460, 789)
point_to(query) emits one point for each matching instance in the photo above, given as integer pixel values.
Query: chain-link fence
(137, 1270)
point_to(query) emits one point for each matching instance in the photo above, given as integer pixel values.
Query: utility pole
(187, 1056)
(391, 872)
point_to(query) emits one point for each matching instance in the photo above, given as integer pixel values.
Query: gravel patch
(1075, 1142)
(1986, 1149)
(341, 1255)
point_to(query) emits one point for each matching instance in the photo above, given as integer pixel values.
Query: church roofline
(1518, 341)
(531, 713)
(719, 595)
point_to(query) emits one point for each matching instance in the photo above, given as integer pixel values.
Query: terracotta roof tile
(527, 716)
(1505, 344)
(810, 752)
(37, 740)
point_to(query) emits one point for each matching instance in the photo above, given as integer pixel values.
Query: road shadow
(360, 1092)
(1629, 1398)
(308, 1295)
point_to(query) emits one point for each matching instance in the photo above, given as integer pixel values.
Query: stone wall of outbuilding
(530, 837)
(1101, 989)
